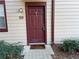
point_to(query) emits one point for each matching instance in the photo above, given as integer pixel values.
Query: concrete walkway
(39, 53)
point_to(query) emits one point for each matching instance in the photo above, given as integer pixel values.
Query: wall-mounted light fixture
(20, 10)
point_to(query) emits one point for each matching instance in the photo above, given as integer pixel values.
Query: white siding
(66, 19)
(17, 27)
(49, 3)
(34, 0)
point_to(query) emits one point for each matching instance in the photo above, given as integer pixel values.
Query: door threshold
(36, 43)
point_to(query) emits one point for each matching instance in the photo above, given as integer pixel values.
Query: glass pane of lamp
(2, 17)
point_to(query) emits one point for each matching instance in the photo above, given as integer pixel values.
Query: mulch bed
(59, 54)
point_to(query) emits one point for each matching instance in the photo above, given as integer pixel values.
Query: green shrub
(10, 51)
(70, 45)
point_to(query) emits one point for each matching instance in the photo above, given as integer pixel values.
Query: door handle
(43, 28)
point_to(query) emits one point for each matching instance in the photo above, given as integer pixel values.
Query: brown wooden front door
(36, 24)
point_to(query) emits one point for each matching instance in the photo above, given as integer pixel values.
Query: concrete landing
(38, 53)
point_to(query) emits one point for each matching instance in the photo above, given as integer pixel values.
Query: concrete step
(38, 53)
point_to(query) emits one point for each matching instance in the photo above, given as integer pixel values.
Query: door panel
(36, 24)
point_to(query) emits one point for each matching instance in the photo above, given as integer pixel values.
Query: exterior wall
(17, 27)
(34, 0)
(66, 19)
(49, 6)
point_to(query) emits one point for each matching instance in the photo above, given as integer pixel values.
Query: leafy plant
(70, 45)
(10, 51)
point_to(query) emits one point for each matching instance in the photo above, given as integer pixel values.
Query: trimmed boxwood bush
(70, 45)
(10, 51)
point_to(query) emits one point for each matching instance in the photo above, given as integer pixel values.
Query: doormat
(37, 47)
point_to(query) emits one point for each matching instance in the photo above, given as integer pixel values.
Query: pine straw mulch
(58, 54)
